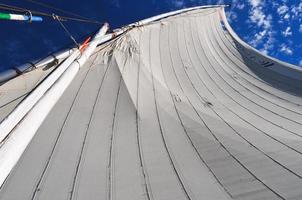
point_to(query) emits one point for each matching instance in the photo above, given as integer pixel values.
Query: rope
(53, 16)
(61, 18)
(12, 8)
(60, 10)
(56, 17)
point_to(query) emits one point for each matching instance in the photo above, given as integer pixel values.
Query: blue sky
(273, 27)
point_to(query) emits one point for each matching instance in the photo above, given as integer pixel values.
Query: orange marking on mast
(85, 44)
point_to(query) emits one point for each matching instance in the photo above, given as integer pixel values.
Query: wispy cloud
(264, 36)
(287, 32)
(286, 16)
(231, 15)
(286, 49)
(240, 6)
(297, 10)
(258, 37)
(257, 16)
(269, 44)
(220, 2)
(282, 9)
(255, 3)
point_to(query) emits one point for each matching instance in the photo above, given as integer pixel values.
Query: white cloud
(258, 38)
(287, 16)
(263, 38)
(300, 28)
(240, 6)
(275, 4)
(220, 2)
(283, 12)
(257, 16)
(287, 32)
(300, 63)
(285, 49)
(264, 51)
(255, 3)
(282, 9)
(231, 15)
(269, 45)
(297, 10)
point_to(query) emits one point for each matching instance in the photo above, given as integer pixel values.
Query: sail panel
(174, 109)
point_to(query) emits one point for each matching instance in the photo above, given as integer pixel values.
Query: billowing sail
(176, 108)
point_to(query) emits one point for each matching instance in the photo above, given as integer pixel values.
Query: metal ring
(29, 14)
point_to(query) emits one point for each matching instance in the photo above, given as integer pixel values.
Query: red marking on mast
(85, 44)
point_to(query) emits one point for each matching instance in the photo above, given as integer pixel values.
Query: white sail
(173, 107)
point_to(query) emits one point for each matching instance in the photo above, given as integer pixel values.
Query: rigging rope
(53, 16)
(60, 10)
(56, 17)
(61, 18)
